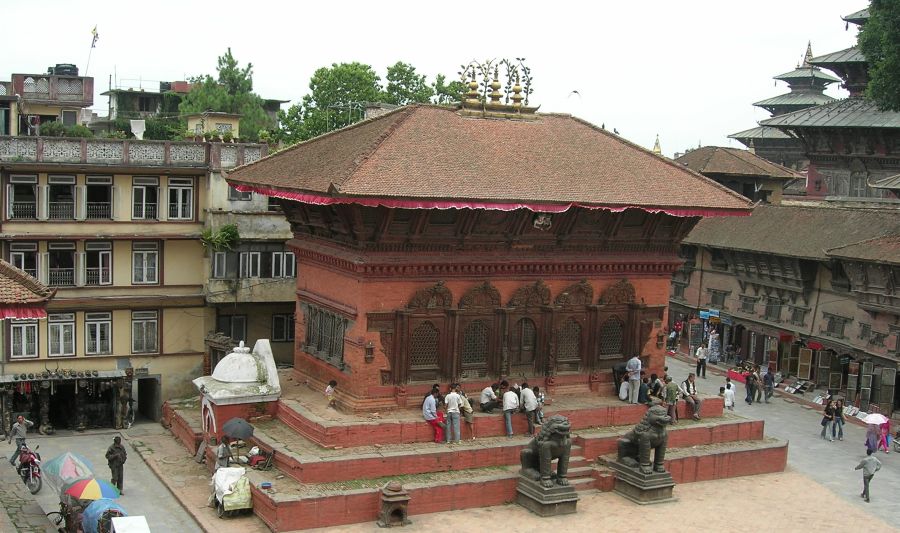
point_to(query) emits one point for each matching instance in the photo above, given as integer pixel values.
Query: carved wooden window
(611, 336)
(475, 344)
(423, 350)
(569, 341)
(523, 341)
(312, 327)
(325, 335)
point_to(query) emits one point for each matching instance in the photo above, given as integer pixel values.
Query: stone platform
(545, 501)
(641, 488)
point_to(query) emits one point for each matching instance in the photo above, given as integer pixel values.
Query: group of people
(757, 388)
(443, 412)
(662, 390)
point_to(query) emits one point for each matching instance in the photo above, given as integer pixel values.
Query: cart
(232, 491)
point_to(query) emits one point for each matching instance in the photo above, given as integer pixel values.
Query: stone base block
(643, 489)
(542, 501)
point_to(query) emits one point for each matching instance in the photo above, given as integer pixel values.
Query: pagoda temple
(807, 84)
(477, 242)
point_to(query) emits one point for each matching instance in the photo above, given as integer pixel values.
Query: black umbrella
(238, 428)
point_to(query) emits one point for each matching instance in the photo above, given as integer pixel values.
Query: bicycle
(56, 518)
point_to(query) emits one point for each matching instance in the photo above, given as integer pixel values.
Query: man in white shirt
(510, 406)
(489, 400)
(529, 400)
(633, 367)
(729, 397)
(453, 401)
(702, 352)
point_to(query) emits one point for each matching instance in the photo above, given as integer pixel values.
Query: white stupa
(243, 377)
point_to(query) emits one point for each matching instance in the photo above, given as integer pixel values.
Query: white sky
(687, 70)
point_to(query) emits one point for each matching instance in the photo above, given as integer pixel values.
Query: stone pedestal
(642, 488)
(542, 501)
(394, 506)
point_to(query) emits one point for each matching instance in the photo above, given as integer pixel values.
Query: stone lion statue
(551, 443)
(649, 434)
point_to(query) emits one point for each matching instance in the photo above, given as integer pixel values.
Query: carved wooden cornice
(436, 297)
(482, 296)
(620, 292)
(581, 293)
(534, 295)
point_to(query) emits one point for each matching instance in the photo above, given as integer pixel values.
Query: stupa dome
(240, 366)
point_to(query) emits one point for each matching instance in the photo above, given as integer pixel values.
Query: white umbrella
(875, 418)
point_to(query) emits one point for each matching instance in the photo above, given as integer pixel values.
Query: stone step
(293, 505)
(578, 472)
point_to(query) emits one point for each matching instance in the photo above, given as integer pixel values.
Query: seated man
(489, 400)
(689, 392)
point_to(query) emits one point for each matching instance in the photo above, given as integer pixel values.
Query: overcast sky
(688, 71)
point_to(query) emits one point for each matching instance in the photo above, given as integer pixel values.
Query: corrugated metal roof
(848, 113)
(859, 17)
(795, 231)
(760, 132)
(890, 182)
(806, 73)
(807, 99)
(850, 55)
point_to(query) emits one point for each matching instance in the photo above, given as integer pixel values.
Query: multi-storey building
(114, 227)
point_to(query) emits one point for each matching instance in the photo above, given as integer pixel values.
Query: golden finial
(472, 95)
(809, 55)
(495, 88)
(517, 93)
(656, 148)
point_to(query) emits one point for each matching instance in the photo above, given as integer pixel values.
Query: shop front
(66, 399)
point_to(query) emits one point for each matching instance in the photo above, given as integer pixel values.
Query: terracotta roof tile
(795, 231)
(17, 287)
(877, 250)
(732, 161)
(432, 152)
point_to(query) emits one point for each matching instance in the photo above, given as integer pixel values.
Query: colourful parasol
(92, 489)
(66, 468)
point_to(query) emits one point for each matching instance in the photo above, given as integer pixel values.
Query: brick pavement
(19, 511)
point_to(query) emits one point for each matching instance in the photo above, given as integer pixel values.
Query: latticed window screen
(524, 340)
(424, 346)
(569, 341)
(611, 334)
(312, 327)
(325, 335)
(475, 344)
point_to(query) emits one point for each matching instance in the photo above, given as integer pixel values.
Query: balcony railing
(97, 276)
(61, 277)
(98, 210)
(145, 211)
(23, 210)
(214, 156)
(61, 210)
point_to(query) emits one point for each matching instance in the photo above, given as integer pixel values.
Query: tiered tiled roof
(877, 250)
(732, 161)
(425, 156)
(21, 295)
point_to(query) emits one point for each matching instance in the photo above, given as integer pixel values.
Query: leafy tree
(231, 92)
(445, 93)
(879, 41)
(335, 99)
(405, 86)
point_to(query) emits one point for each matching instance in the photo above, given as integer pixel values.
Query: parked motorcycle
(29, 468)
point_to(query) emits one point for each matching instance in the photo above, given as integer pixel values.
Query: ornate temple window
(568, 347)
(611, 337)
(523, 340)
(324, 335)
(423, 352)
(476, 340)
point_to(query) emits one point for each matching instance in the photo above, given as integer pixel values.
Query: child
(329, 394)
(729, 397)
(539, 412)
(441, 422)
(721, 392)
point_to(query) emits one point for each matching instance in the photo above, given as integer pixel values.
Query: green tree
(879, 41)
(445, 93)
(231, 92)
(405, 86)
(336, 98)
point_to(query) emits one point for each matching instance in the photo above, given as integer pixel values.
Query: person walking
(702, 354)
(672, 392)
(838, 426)
(633, 367)
(869, 465)
(827, 421)
(751, 388)
(510, 406)
(758, 384)
(454, 402)
(769, 384)
(115, 457)
(729, 397)
(18, 431)
(529, 401)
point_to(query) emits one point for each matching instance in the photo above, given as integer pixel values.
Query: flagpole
(89, 60)
(94, 37)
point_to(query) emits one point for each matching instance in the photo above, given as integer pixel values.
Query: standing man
(769, 383)
(223, 453)
(115, 457)
(689, 391)
(529, 400)
(18, 432)
(454, 402)
(510, 406)
(633, 367)
(702, 353)
(672, 392)
(488, 399)
(429, 412)
(869, 465)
